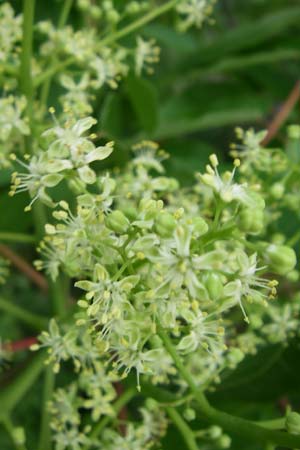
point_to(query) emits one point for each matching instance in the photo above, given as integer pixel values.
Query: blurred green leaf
(144, 100)
(210, 120)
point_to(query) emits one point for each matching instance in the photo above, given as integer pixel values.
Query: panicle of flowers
(139, 258)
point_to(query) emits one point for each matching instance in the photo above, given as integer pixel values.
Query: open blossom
(146, 54)
(249, 285)
(193, 13)
(226, 188)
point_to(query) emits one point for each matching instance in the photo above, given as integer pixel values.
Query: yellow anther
(237, 162)
(214, 160)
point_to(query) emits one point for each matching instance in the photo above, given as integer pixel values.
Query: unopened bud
(117, 222)
(165, 224)
(282, 259)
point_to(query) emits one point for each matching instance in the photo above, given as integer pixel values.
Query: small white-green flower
(193, 13)
(226, 188)
(146, 54)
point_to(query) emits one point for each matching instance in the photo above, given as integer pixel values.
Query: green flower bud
(224, 441)
(278, 238)
(130, 212)
(214, 285)
(200, 226)
(189, 414)
(113, 16)
(292, 422)
(214, 432)
(235, 356)
(133, 7)
(293, 276)
(277, 190)
(117, 222)
(251, 220)
(19, 435)
(282, 259)
(294, 131)
(165, 224)
(77, 186)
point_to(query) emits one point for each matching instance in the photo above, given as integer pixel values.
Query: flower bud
(277, 190)
(117, 222)
(282, 259)
(214, 285)
(224, 441)
(165, 224)
(235, 356)
(189, 414)
(214, 432)
(251, 220)
(133, 7)
(292, 422)
(294, 131)
(200, 226)
(18, 435)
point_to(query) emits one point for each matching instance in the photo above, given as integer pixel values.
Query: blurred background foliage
(236, 72)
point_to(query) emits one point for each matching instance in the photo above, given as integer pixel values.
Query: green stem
(236, 425)
(34, 320)
(17, 237)
(67, 5)
(184, 429)
(274, 424)
(45, 430)
(8, 425)
(25, 75)
(39, 213)
(139, 23)
(294, 239)
(118, 405)
(20, 385)
(60, 66)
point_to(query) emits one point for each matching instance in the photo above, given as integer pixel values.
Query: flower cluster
(142, 260)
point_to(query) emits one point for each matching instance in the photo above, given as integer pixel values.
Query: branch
(283, 113)
(184, 429)
(24, 267)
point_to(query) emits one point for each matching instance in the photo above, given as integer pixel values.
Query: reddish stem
(22, 344)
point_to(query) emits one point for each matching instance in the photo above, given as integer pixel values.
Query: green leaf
(248, 35)
(240, 62)
(144, 101)
(213, 119)
(111, 119)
